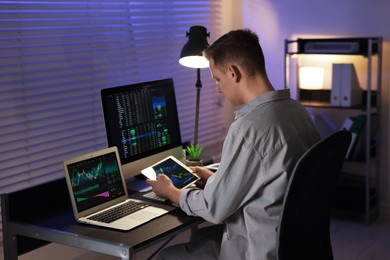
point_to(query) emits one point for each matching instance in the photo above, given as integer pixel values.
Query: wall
(275, 21)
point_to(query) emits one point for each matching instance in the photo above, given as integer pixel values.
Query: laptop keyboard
(119, 211)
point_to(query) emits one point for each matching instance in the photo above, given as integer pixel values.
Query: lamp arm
(198, 86)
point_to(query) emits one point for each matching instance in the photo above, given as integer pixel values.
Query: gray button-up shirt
(262, 146)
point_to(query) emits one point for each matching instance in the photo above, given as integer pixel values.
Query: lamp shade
(311, 78)
(192, 53)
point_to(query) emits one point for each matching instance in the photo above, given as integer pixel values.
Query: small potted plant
(194, 152)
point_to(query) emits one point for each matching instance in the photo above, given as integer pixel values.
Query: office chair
(303, 231)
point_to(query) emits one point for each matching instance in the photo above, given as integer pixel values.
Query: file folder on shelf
(345, 90)
(335, 92)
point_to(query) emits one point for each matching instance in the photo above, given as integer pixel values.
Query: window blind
(56, 56)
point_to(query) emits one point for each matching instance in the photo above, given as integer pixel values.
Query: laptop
(99, 195)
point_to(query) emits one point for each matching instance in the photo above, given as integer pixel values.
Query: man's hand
(164, 188)
(203, 173)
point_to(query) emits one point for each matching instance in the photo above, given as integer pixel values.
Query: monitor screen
(142, 121)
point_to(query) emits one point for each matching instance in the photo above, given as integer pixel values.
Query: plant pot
(191, 163)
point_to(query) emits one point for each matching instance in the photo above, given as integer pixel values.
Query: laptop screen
(95, 181)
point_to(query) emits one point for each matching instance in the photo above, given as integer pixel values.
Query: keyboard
(213, 167)
(119, 211)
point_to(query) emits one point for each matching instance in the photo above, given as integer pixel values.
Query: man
(269, 134)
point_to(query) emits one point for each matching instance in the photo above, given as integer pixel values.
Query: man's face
(225, 84)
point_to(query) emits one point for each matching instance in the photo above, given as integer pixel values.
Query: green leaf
(194, 152)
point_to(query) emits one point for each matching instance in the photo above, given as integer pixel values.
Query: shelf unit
(357, 193)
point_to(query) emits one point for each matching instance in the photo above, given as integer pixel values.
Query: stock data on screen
(95, 180)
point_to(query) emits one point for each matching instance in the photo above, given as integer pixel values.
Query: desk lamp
(192, 56)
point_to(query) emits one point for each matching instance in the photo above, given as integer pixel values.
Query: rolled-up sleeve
(227, 189)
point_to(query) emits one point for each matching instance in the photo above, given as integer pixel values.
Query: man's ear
(235, 73)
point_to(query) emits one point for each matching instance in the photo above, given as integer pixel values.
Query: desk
(51, 220)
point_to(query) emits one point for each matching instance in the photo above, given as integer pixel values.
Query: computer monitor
(141, 119)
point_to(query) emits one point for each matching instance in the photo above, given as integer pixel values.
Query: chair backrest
(303, 231)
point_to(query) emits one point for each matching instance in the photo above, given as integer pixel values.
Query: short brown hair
(241, 47)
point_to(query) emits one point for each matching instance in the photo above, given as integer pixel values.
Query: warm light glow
(194, 62)
(311, 77)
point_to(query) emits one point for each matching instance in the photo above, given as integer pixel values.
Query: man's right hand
(203, 173)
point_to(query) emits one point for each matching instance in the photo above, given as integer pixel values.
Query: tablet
(179, 173)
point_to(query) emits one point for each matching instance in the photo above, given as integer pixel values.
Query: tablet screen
(178, 172)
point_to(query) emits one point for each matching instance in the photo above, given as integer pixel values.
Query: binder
(351, 94)
(347, 125)
(335, 92)
(345, 91)
(360, 147)
(356, 131)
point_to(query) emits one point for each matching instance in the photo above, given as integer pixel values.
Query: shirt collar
(269, 96)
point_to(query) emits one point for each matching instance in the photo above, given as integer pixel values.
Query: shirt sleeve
(241, 174)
